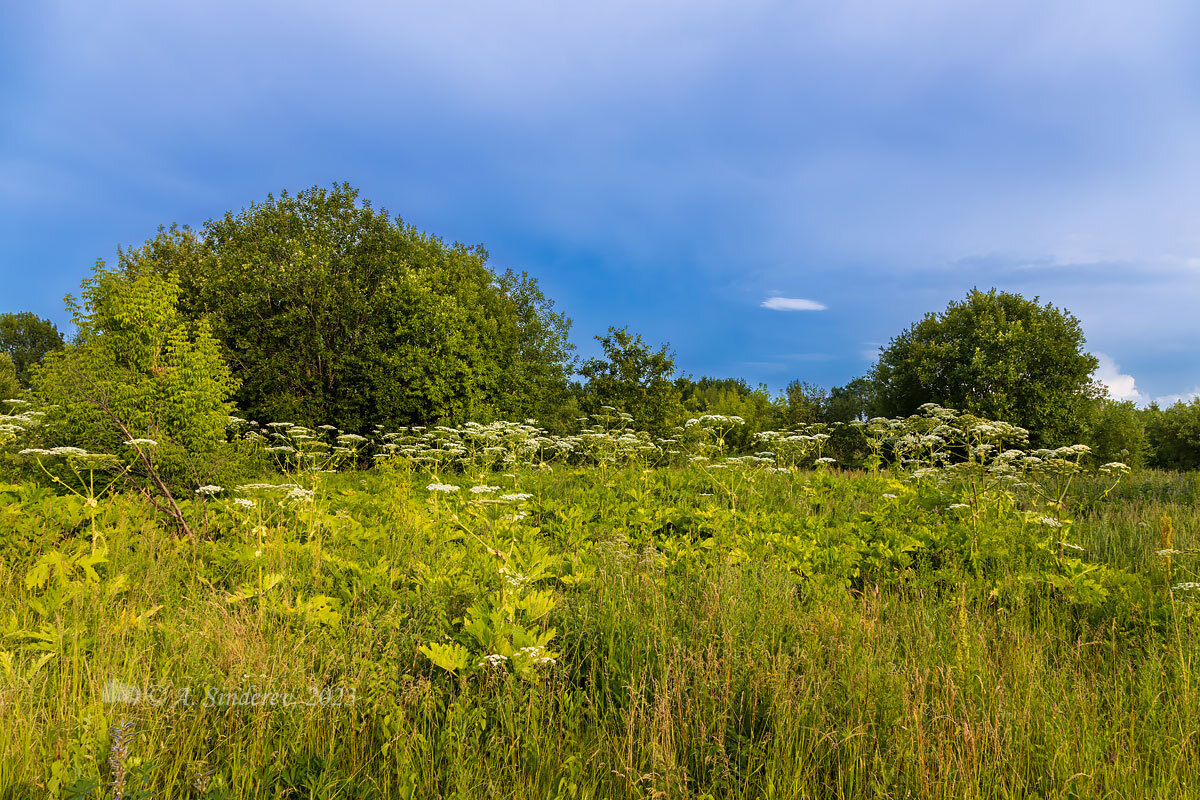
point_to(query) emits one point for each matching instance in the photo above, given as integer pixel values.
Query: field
(485, 626)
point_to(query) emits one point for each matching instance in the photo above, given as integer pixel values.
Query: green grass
(725, 634)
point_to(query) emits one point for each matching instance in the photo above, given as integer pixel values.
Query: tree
(26, 338)
(632, 378)
(1174, 435)
(140, 382)
(732, 397)
(1116, 431)
(331, 312)
(9, 387)
(995, 355)
(850, 402)
(806, 403)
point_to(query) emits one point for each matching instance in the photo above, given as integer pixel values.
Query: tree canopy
(331, 312)
(996, 355)
(632, 377)
(26, 338)
(9, 387)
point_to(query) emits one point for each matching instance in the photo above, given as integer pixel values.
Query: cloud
(1168, 400)
(1120, 386)
(792, 304)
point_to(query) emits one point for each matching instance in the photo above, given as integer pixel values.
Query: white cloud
(792, 304)
(1120, 386)
(1168, 400)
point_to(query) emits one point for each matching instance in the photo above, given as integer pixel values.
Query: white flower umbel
(442, 487)
(484, 489)
(492, 660)
(209, 490)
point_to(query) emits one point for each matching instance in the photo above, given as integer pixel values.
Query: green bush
(138, 370)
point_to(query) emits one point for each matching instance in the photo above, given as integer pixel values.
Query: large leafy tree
(997, 355)
(26, 338)
(331, 312)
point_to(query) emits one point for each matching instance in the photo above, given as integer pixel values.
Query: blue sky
(670, 166)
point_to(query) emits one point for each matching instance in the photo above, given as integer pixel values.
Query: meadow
(490, 611)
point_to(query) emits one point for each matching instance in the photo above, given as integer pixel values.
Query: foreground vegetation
(465, 622)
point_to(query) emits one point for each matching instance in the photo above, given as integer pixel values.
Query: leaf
(39, 575)
(452, 657)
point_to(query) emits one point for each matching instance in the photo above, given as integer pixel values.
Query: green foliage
(731, 397)
(9, 386)
(138, 369)
(332, 313)
(1116, 431)
(1174, 435)
(27, 338)
(715, 632)
(632, 378)
(995, 355)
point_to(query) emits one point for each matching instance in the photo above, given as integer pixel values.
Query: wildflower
(1048, 521)
(537, 654)
(208, 490)
(517, 497)
(1189, 586)
(512, 578)
(1168, 551)
(244, 502)
(484, 489)
(955, 506)
(442, 487)
(118, 753)
(889, 497)
(299, 493)
(200, 784)
(492, 660)
(142, 443)
(826, 459)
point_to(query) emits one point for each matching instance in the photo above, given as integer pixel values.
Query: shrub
(138, 370)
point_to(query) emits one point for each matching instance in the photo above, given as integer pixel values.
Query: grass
(724, 634)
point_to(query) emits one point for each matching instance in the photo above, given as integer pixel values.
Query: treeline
(318, 309)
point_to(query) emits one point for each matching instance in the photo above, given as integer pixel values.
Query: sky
(775, 189)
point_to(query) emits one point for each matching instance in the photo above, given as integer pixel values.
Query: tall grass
(689, 664)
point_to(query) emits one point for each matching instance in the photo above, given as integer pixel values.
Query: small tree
(632, 378)
(140, 382)
(27, 338)
(995, 355)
